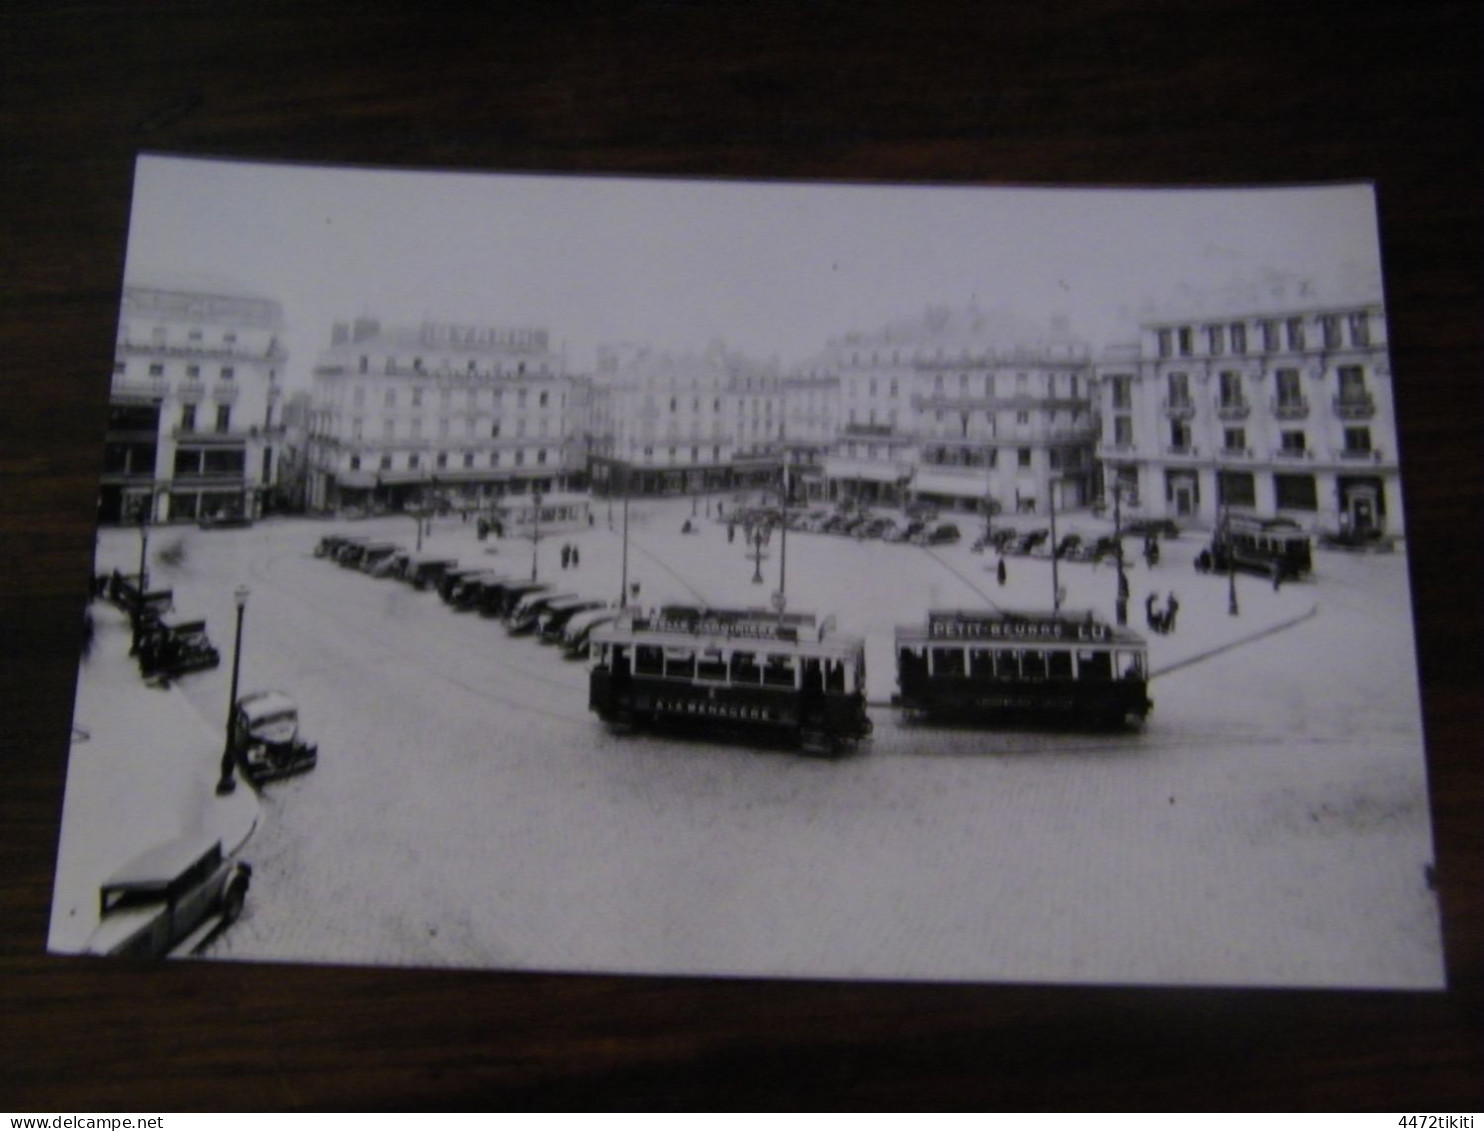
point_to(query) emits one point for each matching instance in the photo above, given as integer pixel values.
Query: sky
(772, 269)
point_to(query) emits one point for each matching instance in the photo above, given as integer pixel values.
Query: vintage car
(172, 646)
(499, 603)
(265, 737)
(554, 618)
(225, 520)
(936, 534)
(1152, 528)
(524, 616)
(170, 899)
(427, 572)
(371, 554)
(579, 629)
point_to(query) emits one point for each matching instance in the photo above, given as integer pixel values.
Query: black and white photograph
(751, 579)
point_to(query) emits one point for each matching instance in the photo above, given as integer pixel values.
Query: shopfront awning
(953, 486)
(872, 471)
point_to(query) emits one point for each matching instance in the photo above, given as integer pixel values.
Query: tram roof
(685, 624)
(1019, 625)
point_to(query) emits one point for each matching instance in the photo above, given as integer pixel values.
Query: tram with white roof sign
(1003, 666)
(729, 670)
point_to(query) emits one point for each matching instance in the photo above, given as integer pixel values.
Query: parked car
(580, 627)
(373, 554)
(521, 610)
(936, 534)
(173, 646)
(265, 737)
(1152, 527)
(428, 572)
(552, 623)
(170, 899)
(224, 521)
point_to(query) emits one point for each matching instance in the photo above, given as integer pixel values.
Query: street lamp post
(1224, 486)
(535, 530)
(227, 783)
(623, 579)
(1120, 605)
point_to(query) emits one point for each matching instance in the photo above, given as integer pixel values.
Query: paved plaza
(1268, 826)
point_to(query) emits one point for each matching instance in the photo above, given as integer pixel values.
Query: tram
(731, 670)
(1261, 545)
(1039, 667)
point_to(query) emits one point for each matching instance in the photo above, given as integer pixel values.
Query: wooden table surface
(1087, 92)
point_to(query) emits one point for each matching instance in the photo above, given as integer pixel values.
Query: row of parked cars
(923, 531)
(525, 607)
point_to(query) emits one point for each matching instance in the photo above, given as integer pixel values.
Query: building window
(1288, 388)
(1269, 336)
(494, 459)
(1234, 441)
(187, 418)
(386, 463)
(1186, 341)
(1329, 326)
(1357, 440)
(442, 459)
(193, 372)
(495, 430)
(355, 463)
(1239, 337)
(1166, 342)
(1292, 443)
(1236, 489)
(1215, 340)
(157, 370)
(468, 459)
(1295, 330)
(1123, 431)
(1295, 493)
(1352, 383)
(223, 417)
(1024, 457)
(228, 373)
(541, 456)
(1360, 329)
(1179, 435)
(412, 460)
(417, 394)
(520, 457)
(1122, 391)
(355, 428)
(1179, 385)
(1231, 389)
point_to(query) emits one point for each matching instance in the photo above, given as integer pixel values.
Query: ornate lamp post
(1120, 605)
(227, 783)
(535, 530)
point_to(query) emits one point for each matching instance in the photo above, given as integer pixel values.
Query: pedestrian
(1001, 573)
(1151, 615)
(1277, 576)
(731, 532)
(566, 555)
(574, 557)
(1172, 606)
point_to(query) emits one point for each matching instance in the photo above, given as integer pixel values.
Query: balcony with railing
(1358, 455)
(1292, 455)
(1178, 408)
(1355, 406)
(1235, 454)
(1233, 408)
(1290, 408)
(225, 392)
(154, 388)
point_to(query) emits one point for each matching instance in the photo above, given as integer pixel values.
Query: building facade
(1265, 398)
(441, 414)
(666, 424)
(964, 409)
(193, 406)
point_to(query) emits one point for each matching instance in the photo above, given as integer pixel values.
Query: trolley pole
(623, 581)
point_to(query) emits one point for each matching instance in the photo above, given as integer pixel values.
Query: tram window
(1130, 665)
(780, 671)
(912, 661)
(1059, 665)
(1095, 666)
(649, 660)
(680, 663)
(1033, 664)
(813, 674)
(711, 665)
(745, 669)
(834, 675)
(619, 656)
(981, 663)
(1006, 664)
(948, 662)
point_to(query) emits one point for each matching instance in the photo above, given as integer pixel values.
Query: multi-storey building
(965, 409)
(410, 416)
(192, 409)
(1264, 397)
(684, 423)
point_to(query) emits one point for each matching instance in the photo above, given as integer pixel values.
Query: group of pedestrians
(1161, 621)
(570, 557)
